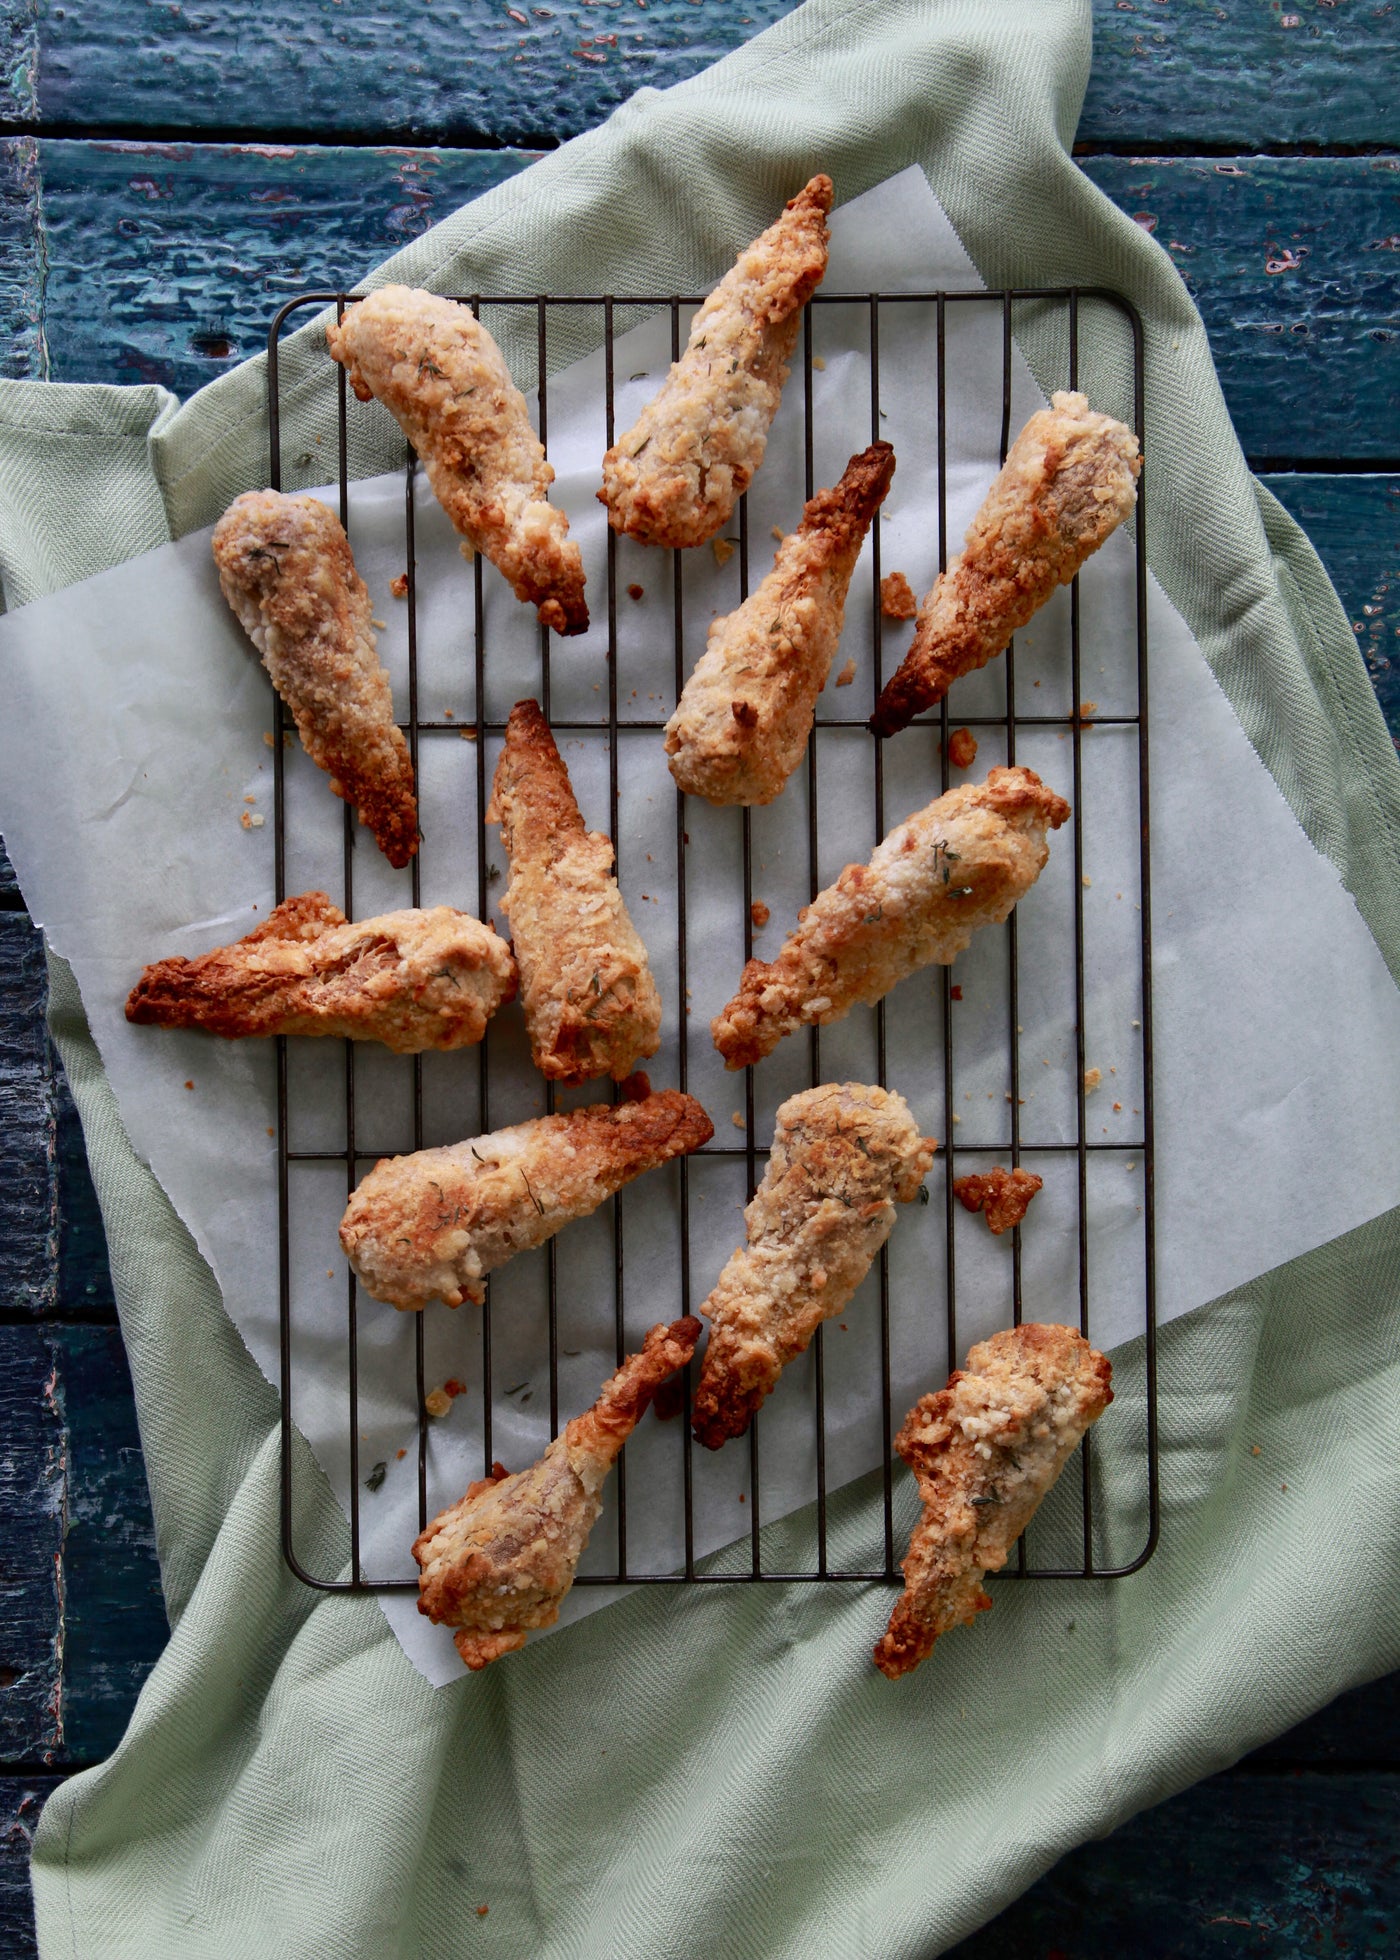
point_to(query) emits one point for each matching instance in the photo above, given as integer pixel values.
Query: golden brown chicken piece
(499, 1563)
(985, 1451)
(842, 1154)
(742, 722)
(413, 980)
(959, 864)
(1069, 480)
(432, 1225)
(286, 569)
(1002, 1196)
(591, 1005)
(675, 476)
(444, 380)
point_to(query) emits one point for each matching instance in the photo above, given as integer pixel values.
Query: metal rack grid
(886, 1566)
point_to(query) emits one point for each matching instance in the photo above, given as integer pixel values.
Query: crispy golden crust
(959, 864)
(1002, 1196)
(742, 723)
(842, 1154)
(286, 569)
(897, 599)
(1069, 480)
(591, 1004)
(985, 1450)
(498, 1564)
(676, 475)
(412, 980)
(443, 379)
(430, 1226)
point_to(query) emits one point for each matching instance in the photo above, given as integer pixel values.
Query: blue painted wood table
(166, 175)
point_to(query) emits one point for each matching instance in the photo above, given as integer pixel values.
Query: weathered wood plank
(28, 1190)
(165, 262)
(22, 356)
(1174, 71)
(21, 1800)
(1282, 1865)
(1295, 266)
(33, 1504)
(1354, 522)
(1358, 1731)
(84, 1280)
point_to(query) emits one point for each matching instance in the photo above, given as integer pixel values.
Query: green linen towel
(722, 1771)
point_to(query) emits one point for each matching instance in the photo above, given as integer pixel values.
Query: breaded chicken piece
(1069, 480)
(959, 864)
(675, 476)
(842, 1154)
(743, 720)
(1002, 1196)
(286, 569)
(445, 382)
(499, 1563)
(432, 1225)
(985, 1451)
(591, 1004)
(413, 980)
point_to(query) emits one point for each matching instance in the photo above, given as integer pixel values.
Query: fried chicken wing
(498, 1564)
(412, 980)
(959, 864)
(675, 476)
(842, 1154)
(591, 1004)
(432, 1225)
(985, 1451)
(286, 569)
(1069, 480)
(1002, 1196)
(445, 382)
(742, 723)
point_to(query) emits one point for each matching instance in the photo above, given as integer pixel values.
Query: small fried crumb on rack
(1002, 1196)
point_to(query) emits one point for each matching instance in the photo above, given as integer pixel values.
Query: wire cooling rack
(1065, 308)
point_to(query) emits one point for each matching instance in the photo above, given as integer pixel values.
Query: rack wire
(884, 1565)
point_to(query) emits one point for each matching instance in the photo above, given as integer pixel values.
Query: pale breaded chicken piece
(591, 1004)
(743, 720)
(445, 382)
(498, 1564)
(842, 1154)
(985, 1451)
(286, 569)
(676, 475)
(959, 864)
(1069, 480)
(432, 1225)
(413, 980)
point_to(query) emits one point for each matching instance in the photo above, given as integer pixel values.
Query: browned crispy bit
(432, 1225)
(897, 599)
(953, 867)
(744, 718)
(677, 473)
(286, 568)
(497, 1565)
(842, 1154)
(1068, 482)
(1002, 1196)
(985, 1450)
(413, 980)
(591, 1004)
(445, 381)
(962, 748)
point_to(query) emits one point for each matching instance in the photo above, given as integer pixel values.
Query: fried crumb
(1118, 1109)
(760, 914)
(437, 1402)
(1087, 708)
(250, 799)
(245, 819)
(1086, 881)
(778, 533)
(819, 363)
(1092, 1078)
(482, 1911)
(189, 1085)
(847, 673)
(271, 1132)
(722, 549)
(737, 1119)
(467, 734)
(955, 993)
(1254, 1450)
(962, 748)
(635, 591)
(399, 586)
(897, 599)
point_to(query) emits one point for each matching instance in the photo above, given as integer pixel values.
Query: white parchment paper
(135, 764)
